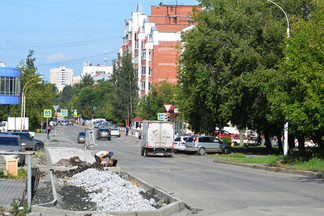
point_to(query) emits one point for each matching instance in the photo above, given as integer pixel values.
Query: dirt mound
(81, 167)
(74, 161)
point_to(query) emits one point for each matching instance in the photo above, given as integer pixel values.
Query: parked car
(179, 143)
(221, 134)
(107, 125)
(12, 143)
(64, 123)
(70, 122)
(103, 133)
(31, 143)
(81, 137)
(115, 132)
(207, 144)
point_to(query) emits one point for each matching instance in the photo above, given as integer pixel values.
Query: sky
(66, 32)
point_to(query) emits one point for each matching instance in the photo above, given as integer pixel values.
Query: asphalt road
(216, 189)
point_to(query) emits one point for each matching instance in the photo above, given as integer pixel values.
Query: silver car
(206, 144)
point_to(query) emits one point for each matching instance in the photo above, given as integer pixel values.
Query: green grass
(54, 141)
(240, 159)
(290, 162)
(22, 175)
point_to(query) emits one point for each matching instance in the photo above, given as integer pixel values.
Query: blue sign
(64, 112)
(47, 113)
(160, 116)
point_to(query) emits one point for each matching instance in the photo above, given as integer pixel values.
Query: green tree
(161, 93)
(229, 64)
(39, 96)
(301, 97)
(124, 89)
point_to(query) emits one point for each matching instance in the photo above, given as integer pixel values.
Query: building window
(9, 86)
(149, 87)
(136, 59)
(143, 85)
(149, 56)
(136, 72)
(143, 70)
(144, 54)
(136, 44)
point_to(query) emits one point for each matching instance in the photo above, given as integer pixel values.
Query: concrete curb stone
(276, 169)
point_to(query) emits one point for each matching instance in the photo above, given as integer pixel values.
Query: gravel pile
(58, 153)
(111, 192)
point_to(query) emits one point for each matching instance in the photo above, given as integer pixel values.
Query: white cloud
(57, 57)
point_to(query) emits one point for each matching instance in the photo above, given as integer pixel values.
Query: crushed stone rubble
(111, 192)
(58, 153)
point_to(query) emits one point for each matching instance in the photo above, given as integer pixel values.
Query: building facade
(10, 85)
(61, 77)
(154, 40)
(97, 71)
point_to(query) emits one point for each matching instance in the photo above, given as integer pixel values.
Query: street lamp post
(286, 125)
(23, 100)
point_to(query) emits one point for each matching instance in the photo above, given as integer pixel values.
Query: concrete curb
(54, 201)
(276, 169)
(173, 206)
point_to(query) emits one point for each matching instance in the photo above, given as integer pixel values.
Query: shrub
(227, 140)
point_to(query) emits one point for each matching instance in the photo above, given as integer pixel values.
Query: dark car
(81, 137)
(31, 143)
(12, 143)
(103, 133)
(70, 122)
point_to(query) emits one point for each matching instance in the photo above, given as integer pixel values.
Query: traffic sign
(56, 107)
(47, 113)
(75, 113)
(160, 116)
(64, 112)
(167, 107)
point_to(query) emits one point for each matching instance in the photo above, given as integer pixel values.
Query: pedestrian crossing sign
(64, 112)
(160, 116)
(47, 113)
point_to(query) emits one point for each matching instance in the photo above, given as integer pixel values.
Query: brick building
(153, 40)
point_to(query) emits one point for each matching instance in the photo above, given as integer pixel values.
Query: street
(212, 188)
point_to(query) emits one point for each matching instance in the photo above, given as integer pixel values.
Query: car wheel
(202, 151)
(37, 147)
(226, 150)
(142, 152)
(109, 138)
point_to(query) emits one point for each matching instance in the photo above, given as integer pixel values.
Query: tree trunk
(267, 140)
(241, 137)
(301, 145)
(291, 142)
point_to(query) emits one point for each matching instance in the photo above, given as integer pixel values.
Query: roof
(137, 119)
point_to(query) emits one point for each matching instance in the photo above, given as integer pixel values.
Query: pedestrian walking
(48, 131)
(127, 129)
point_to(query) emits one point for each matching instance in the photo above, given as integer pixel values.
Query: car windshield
(82, 133)
(114, 129)
(12, 141)
(177, 139)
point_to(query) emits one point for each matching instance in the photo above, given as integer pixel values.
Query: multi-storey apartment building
(153, 41)
(61, 77)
